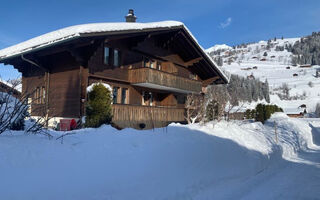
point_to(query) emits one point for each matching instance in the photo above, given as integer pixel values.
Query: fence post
(275, 131)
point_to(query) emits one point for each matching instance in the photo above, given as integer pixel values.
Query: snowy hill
(272, 61)
(226, 160)
(219, 47)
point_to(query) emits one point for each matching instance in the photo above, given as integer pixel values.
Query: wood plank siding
(129, 115)
(145, 76)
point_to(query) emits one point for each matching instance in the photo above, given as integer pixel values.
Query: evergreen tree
(98, 108)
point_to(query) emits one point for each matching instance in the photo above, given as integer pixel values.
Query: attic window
(106, 55)
(112, 57)
(116, 58)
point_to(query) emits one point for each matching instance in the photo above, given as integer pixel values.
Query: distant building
(305, 66)
(303, 106)
(7, 88)
(296, 112)
(251, 77)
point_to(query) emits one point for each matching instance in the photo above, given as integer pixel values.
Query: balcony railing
(156, 79)
(131, 115)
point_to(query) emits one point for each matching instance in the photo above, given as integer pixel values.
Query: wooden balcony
(152, 117)
(152, 78)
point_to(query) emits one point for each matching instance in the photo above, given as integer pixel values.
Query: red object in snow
(65, 124)
(73, 124)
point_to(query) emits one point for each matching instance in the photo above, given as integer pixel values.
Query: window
(39, 95)
(147, 98)
(112, 56)
(151, 64)
(124, 96)
(116, 58)
(43, 97)
(146, 62)
(106, 55)
(115, 95)
(36, 97)
(158, 65)
(193, 76)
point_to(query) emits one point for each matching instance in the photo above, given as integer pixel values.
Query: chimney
(130, 17)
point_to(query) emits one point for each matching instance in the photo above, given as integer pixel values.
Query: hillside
(290, 85)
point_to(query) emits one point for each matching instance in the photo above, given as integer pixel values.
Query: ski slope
(225, 160)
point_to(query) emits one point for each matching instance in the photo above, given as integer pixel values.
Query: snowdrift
(225, 160)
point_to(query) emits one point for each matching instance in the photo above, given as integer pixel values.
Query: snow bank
(225, 160)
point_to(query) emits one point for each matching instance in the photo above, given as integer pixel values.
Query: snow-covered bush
(98, 108)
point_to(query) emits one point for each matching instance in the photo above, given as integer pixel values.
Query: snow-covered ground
(225, 160)
(275, 66)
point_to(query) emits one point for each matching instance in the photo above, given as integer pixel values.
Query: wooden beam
(207, 82)
(191, 62)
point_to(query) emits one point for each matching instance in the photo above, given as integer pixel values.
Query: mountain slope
(271, 60)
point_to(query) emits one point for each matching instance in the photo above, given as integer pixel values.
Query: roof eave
(206, 56)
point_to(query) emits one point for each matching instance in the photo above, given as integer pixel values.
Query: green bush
(262, 112)
(98, 108)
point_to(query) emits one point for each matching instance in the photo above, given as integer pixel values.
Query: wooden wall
(64, 85)
(64, 96)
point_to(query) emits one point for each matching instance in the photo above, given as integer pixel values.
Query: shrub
(248, 114)
(98, 108)
(262, 112)
(212, 110)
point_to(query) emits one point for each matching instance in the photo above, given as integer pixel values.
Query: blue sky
(211, 21)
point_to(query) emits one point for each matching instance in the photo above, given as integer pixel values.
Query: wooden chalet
(151, 67)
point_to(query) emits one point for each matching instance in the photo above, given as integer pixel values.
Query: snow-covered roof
(72, 32)
(79, 30)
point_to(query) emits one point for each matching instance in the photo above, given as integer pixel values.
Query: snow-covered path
(232, 160)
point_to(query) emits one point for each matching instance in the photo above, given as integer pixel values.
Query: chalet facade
(151, 67)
